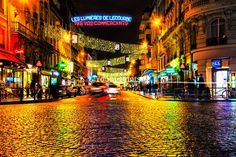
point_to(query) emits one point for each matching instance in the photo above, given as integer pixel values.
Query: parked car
(65, 91)
(98, 88)
(113, 89)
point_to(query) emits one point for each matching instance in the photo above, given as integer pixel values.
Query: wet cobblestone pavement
(128, 125)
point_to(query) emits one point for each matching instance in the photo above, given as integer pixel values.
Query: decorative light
(114, 70)
(94, 43)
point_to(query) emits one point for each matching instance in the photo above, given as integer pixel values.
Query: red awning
(7, 56)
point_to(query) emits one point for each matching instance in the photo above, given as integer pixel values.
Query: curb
(186, 100)
(27, 102)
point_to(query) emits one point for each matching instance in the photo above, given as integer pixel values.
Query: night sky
(127, 34)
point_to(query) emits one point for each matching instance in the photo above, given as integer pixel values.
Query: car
(98, 88)
(65, 91)
(113, 89)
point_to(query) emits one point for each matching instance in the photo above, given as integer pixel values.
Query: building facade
(35, 43)
(196, 37)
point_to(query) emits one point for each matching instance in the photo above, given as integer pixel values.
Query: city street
(126, 125)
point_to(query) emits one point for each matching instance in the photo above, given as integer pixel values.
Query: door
(221, 81)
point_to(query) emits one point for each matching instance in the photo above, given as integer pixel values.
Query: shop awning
(8, 56)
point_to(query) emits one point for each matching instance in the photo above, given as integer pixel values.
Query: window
(217, 33)
(2, 36)
(193, 37)
(218, 28)
(1, 7)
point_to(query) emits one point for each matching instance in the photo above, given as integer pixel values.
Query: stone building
(196, 36)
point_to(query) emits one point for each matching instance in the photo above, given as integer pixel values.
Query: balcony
(17, 27)
(199, 3)
(197, 7)
(216, 41)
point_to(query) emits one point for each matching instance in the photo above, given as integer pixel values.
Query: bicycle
(228, 93)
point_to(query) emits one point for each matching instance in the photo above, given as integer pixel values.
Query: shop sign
(44, 72)
(216, 63)
(55, 73)
(170, 70)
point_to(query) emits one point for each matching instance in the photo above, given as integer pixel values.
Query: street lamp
(156, 21)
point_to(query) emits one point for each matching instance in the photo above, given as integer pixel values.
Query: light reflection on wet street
(127, 125)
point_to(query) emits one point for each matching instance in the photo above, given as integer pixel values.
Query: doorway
(220, 81)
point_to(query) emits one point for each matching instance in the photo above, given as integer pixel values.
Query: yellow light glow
(156, 21)
(67, 38)
(145, 44)
(82, 53)
(133, 61)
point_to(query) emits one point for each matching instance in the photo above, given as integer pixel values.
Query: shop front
(168, 80)
(220, 75)
(45, 80)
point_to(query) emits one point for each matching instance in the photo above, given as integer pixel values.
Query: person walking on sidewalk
(27, 87)
(191, 88)
(155, 88)
(201, 86)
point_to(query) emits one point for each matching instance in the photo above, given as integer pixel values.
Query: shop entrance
(220, 81)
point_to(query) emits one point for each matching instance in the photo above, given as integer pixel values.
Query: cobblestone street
(128, 125)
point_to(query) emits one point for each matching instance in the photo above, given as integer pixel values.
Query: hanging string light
(58, 33)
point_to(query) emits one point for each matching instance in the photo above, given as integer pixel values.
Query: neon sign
(101, 20)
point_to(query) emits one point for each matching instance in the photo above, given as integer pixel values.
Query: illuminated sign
(55, 73)
(170, 70)
(216, 63)
(101, 20)
(19, 51)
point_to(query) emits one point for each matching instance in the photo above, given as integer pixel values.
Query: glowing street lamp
(156, 21)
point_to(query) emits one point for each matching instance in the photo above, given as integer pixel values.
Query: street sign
(216, 63)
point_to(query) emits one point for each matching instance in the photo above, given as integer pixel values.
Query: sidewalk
(14, 100)
(161, 97)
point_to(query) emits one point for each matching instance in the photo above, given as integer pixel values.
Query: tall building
(196, 37)
(35, 43)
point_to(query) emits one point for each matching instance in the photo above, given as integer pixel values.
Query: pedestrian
(191, 87)
(27, 87)
(155, 88)
(39, 91)
(201, 86)
(32, 88)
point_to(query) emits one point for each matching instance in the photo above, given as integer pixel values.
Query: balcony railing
(18, 27)
(216, 41)
(170, 30)
(199, 3)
